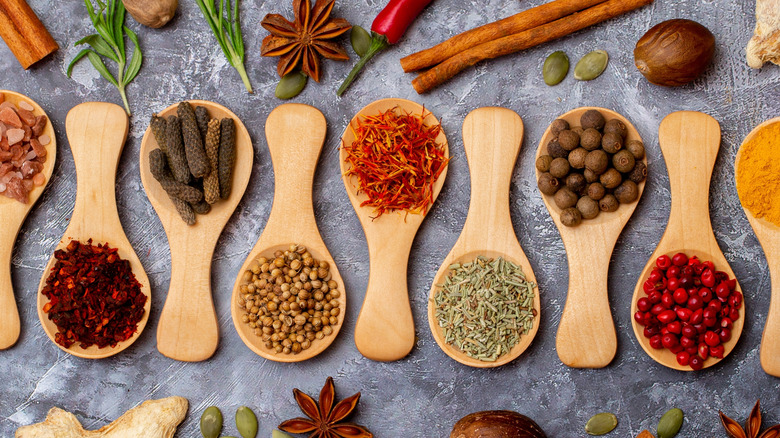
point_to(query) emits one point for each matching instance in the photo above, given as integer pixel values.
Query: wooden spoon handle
(385, 328)
(295, 134)
(689, 141)
(491, 138)
(586, 334)
(770, 341)
(96, 133)
(9, 314)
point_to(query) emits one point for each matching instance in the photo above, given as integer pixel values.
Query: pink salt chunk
(15, 136)
(26, 106)
(5, 105)
(39, 179)
(27, 117)
(10, 118)
(38, 148)
(6, 156)
(44, 139)
(15, 190)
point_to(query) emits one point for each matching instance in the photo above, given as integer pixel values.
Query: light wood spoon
(385, 328)
(586, 334)
(492, 138)
(188, 329)
(689, 141)
(295, 134)
(768, 235)
(96, 132)
(12, 215)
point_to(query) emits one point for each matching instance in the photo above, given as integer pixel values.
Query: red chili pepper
(388, 27)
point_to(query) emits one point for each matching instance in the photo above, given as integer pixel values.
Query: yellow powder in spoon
(758, 174)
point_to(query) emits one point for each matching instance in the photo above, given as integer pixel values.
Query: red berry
(688, 331)
(648, 286)
(639, 317)
(673, 283)
(723, 291)
(711, 338)
(711, 322)
(683, 358)
(676, 349)
(674, 327)
(692, 350)
(715, 305)
(674, 271)
(658, 308)
(734, 314)
(698, 315)
(710, 314)
(718, 351)
(705, 294)
(696, 363)
(704, 351)
(651, 330)
(643, 304)
(667, 316)
(735, 301)
(732, 283)
(669, 341)
(695, 303)
(667, 300)
(700, 328)
(684, 313)
(687, 342)
(707, 278)
(680, 259)
(656, 343)
(656, 275)
(654, 297)
(694, 261)
(724, 335)
(680, 296)
(663, 262)
(726, 323)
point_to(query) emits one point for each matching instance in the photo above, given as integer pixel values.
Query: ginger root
(765, 44)
(152, 419)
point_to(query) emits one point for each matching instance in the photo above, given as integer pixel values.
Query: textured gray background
(424, 394)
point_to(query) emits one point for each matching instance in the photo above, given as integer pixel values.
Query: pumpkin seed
(591, 65)
(670, 423)
(211, 422)
(601, 424)
(246, 422)
(555, 68)
(280, 434)
(291, 85)
(361, 40)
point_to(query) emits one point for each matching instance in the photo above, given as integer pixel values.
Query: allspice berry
(592, 119)
(555, 150)
(588, 207)
(596, 191)
(627, 192)
(565, 198)
(558, 125)
(639, 173)
(559, 167)
(548, 184)
(611, 178)
(590, 176)
(543, 163)
(569, 140)
(577, 129)
(637, 149)
(597, 161)
(576, 182)
(609, 203)
(590, 139)
(571, 217)
(617, 127)
(611, 142)
(577, 158)
(623, 161)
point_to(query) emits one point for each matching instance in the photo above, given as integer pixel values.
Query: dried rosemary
(485, 306)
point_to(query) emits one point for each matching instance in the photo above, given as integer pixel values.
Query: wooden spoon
(295, 135)
(96, 132)
(768, 235)
(689, 141)
(385, 328)
(12, 215)
(188, 329)
(492, 138)
(586, 335)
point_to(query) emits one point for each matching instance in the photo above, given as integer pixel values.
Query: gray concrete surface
(425, 393)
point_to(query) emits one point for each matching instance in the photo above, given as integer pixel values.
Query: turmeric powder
(758, 174)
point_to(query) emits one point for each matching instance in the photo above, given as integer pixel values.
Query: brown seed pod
(565, 198)
(577, 158)
(569, 139)
(203, 118)
(211, 181)
(557, 126)
(184, 209)
(611, 142)
(623, 161)
(496, 424)
(674, 52)
(227, 156)
(637, 149)
(177, 158)
(159, 126)
(193, 143)
(627, 192)
(609, 203)
(160, 172)
(596, 191)
(588, 207)
(597, 161)
(615, 126)
(548, 184)
(592, 119)
(590, 139)
(555, 150)
(611, 178)
(576, 182)
(571, 217)
(201, 207)
(559, 167)
(639, 173)
(543, 163)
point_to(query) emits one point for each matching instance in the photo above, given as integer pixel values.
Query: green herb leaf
(78, 57)
(101, 68)
(135, 62)
(228, 36)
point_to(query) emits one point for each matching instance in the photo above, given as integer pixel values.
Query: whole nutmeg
(496, 424)
(152, 13)
(674, 52)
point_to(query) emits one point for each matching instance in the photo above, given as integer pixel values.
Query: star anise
(324, 418)
(752, 425)
(305, 39)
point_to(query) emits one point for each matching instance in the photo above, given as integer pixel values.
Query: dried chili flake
(94, 297)
(396, 161)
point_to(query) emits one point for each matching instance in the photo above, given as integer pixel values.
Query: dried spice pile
(22, 149)
(485, 306)
(194, 163)
(396, 161)
(94, 296)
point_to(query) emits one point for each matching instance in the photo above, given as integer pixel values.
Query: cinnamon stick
(24, 33)
(522, 21)
(441, 73)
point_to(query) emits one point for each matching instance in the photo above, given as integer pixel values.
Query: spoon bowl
(12, 215)
(295, 135)
(188, 329)
(492, 138)
(689, 141)
(385, 328)
(768, 235)
(96, 132)
(586, 334)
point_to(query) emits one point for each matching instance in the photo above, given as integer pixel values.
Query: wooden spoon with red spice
(385, 328)
(12, 215)
(96, 132)
(768, 235)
